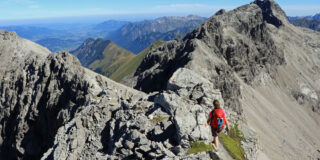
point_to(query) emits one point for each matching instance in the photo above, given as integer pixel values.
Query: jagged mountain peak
(272, 12)
(250, 15)
(230, 35)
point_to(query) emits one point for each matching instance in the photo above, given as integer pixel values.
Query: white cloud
(29, 3)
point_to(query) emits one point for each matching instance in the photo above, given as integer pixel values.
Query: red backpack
(219, 118)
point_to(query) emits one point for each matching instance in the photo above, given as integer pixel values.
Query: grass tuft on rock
(232, 142)
(158, 119)
(199, 146)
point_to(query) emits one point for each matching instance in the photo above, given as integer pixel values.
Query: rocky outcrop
(155, 126)
(41, 93)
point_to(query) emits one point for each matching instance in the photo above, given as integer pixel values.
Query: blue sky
(33, 9)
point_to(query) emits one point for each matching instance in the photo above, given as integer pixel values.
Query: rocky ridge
(52, 108)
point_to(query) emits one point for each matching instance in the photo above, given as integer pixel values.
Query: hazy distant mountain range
(312, 22)
(136, 36)
(307, 23)
(314, 17)
(133, 36)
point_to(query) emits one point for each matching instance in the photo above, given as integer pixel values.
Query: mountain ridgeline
(312, 22)
(307, 23)
(264, 71)
(136, 36)
(314, 17)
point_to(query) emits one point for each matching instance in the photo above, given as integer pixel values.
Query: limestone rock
(263, 70)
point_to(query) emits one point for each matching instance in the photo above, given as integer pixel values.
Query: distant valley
(58, 37)
(133, 36)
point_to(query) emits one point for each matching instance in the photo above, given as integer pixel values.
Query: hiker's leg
(216, 141)
(213, 133)
(215, 137)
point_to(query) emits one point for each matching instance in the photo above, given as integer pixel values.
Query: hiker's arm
(209, 120)
(228, 126)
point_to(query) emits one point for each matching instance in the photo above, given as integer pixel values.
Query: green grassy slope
(113, 57)
(131, 65)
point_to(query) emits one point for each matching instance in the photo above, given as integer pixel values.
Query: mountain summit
(264, 71)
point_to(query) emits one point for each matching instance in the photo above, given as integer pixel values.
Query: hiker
(217, 119)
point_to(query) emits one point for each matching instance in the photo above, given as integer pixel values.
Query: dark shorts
(216, 131)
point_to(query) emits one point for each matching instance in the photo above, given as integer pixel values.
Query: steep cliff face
(266, 69)
(40, 92)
